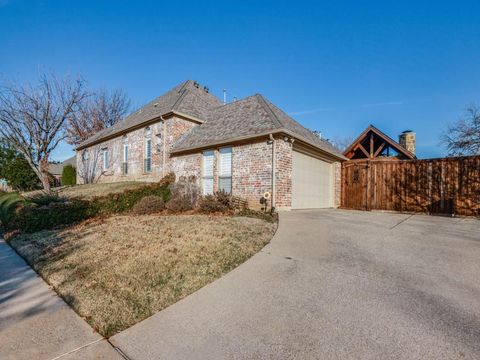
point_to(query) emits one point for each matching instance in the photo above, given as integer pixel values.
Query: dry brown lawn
(88, 191)
(117, 271)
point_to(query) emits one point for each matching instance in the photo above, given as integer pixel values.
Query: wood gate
(438, 186)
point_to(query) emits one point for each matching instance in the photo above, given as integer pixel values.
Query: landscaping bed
(89, 191)
(119, 270)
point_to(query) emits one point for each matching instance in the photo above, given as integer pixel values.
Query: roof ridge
(269, 110)
(183, 91)
(234, 102)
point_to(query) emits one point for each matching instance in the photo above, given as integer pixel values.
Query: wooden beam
(363, 150)
(379, 150)
(371, 145)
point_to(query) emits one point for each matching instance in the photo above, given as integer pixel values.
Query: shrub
(184, 195)
(224, 198)
(218, 202)
(8, 204)
(267, 216)
(45, 199)
(168, 179)
(69, 175)
(149, 205)
(122, 202)
(31, 218)
(179, 204)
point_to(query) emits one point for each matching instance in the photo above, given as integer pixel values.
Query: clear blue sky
(335, 66)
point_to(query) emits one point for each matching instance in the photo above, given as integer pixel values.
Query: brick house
(246, 147)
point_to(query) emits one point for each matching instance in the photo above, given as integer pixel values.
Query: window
(225, 173)
(208, 157)
(105, 159)
(125, 156)
(85, 155)
(147, 161)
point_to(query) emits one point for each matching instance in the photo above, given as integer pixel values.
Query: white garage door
(312, 182)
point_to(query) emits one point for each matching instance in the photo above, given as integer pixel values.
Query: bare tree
(89, 169)
(32, 118)
(341, 143)
(101, 110)
(463, 136)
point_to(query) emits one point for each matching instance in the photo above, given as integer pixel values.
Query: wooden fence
(437, 186)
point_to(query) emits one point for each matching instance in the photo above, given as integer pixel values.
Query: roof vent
(156, 104)
(205, 89)
(196, 84)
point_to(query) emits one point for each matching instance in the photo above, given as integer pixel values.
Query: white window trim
(105, 159)
(220, 170)
(125, 158)
(145, 158)
(209, 178)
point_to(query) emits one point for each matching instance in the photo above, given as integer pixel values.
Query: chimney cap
(407, 131)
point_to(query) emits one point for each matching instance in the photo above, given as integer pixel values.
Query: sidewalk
(35, 323)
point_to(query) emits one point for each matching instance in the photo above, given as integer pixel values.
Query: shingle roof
(249, 117)
(246, 118)
(57, 168)
(186, 98)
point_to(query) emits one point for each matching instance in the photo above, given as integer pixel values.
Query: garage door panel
(312, 182)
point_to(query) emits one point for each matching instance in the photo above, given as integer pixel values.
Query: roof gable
(377, 143)
(186, 98)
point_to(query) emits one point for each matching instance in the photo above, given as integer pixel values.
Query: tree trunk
(45, 182)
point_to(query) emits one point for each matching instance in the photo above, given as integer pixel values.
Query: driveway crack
(402, 221)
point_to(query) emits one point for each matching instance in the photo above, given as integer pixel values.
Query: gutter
(164, 138)
(274, 180)
(336, 156)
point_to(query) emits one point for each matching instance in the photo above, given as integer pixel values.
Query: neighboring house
(56, 169)
(247, 147)
(374, 144)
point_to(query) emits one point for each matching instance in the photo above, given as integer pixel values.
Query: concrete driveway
(333, 284)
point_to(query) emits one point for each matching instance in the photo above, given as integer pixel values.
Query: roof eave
(165, 116)
(253, 137)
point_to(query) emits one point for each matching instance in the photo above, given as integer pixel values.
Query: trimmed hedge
(32, 218)
(8, 203)
(150, 204)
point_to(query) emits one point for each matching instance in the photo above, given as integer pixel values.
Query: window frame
(220, 170)
(209, 177)
(147, 151)
(105, 159)
(125, 156)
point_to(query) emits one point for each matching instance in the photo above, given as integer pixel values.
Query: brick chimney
(407, 140)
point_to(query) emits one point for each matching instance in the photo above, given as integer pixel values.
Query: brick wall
(337, 166)
(252, 171)
(92, 168)
(283, 172)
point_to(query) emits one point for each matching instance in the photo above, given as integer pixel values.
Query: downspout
(274, 185)
(164, 155)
